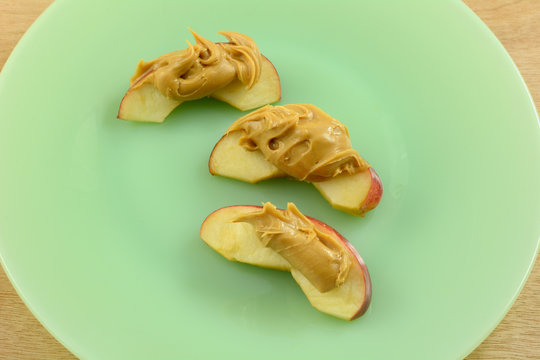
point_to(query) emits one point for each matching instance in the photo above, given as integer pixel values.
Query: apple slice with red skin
(238, 241)
(355, 194)
(146, 103)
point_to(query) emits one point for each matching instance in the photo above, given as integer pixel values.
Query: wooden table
(515, 22)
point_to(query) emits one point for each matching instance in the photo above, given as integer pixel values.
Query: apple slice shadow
(260, 299)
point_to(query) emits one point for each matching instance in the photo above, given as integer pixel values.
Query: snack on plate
(326, 266)
(303, 142)
(234, 72)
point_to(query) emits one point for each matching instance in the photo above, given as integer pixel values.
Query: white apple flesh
(238, 241)
(146, 103)
(231, 160)
(357, 193)
(265, 91)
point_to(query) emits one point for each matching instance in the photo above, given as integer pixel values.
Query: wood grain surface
(517, 25)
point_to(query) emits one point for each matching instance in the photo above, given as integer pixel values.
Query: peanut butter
(301, 140)
(320, 257)
(202, 68)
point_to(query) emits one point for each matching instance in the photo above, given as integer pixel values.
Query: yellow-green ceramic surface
(100, 218)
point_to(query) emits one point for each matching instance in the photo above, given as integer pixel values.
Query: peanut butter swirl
(202, 68)
(320, 257)
(301, 140)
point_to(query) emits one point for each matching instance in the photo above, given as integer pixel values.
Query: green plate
(99, 218)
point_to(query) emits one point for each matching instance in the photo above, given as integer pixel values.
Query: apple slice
(146, 103)
(231, 160)
(355, 194)
(238, 241)
(266, 90)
